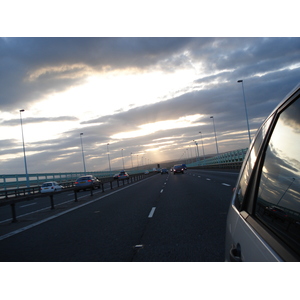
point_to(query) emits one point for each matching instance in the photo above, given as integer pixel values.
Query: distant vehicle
(50, 187)
(87, 182)
(264, 213)
(123, 175)
(116, 176)
(178, 169)
(146, 172)
(164, 171)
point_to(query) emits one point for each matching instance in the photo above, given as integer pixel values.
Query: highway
(161, 218)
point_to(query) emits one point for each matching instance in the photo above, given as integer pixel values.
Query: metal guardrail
(226, 166)
(16, 181)
(233, 158)
(24, 194)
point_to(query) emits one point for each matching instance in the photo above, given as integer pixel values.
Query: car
(87, 182)
(178, 169)
(50, 187)
(123, 175)
(116, 176)
(184, 166)
(146, 172)
(164, 171)
(264, 214)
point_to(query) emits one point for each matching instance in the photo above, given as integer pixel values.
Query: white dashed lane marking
(152, 212)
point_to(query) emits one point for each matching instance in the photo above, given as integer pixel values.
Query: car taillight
(76, 182)
(52, 187)
(89, 180)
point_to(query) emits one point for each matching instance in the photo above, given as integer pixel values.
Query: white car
(51, 186)
(263, 222)
(123, 175)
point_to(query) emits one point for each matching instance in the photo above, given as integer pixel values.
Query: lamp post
(123, 159)
(25, 163)
(215, 137)
(81, 134)
(197, 150)
(241, 81)
(108, 159)
(202, 145)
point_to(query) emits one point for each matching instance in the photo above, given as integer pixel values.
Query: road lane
(187, 223)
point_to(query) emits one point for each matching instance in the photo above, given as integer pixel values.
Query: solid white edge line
(152, 212)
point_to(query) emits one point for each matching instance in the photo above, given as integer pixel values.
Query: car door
(270, 178)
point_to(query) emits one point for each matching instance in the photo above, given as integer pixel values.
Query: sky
(150, 96)
(139, 87)
(145, 79)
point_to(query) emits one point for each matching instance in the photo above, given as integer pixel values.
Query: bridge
(231, 160)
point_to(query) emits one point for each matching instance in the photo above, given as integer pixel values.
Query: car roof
(292, 92)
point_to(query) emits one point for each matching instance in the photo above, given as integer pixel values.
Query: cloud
(16, 122)
(32, 69)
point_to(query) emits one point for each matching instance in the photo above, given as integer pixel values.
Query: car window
(250, 161)
(278, 198)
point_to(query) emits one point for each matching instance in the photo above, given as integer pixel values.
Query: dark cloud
(71, 60)
(16, 122)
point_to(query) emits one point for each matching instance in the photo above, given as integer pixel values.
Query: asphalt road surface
(176, 218)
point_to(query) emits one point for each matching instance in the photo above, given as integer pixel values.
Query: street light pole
(25, 163)
(123, 159)
(197, 151)
(241, 81)
(81, 134)
(215, 137)
(108, 159)
(202, 146)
